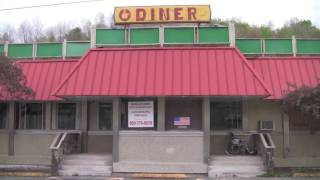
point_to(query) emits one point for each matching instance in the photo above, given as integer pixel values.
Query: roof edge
(245, 60)
(159, 48)
(82, 59)
(45, 61)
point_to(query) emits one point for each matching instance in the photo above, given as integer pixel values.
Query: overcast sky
(253, 11)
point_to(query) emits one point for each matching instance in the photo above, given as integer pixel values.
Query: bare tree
(7, 33)
(61, 30)
(25, 32)
(100, 20)
(37, 29)
(86, 27)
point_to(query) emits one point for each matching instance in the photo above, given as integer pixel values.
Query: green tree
(305, 100)
(76, 34)
(12, 80)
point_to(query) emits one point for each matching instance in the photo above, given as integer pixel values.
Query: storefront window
(3, 115)
(105, 116)
(183, 114)
(226, 115)
(31, 116)
(139, 114)
(66, 116)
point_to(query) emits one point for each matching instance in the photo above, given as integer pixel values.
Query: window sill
(35, 131)
(101, 132)
(305, 132)
(4, 131)
(235, 132)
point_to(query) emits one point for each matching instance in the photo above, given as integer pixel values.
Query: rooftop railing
(67, 49)
(164, 36)
(291, 46)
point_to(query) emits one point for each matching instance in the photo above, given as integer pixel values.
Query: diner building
(160, 98)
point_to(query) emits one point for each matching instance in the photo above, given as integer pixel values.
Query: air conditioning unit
(266, 125)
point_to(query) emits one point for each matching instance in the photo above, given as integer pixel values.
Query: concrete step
(89, 156)
(235, 166)
(84, 173)
(235, 158)
(86, 162)
(86, 165)
(234, 174)
(237, 163)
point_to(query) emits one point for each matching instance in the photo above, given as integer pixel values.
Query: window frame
(22, 123)
(212, 119)
(192, 126)
(76, 127)
(98, 116)
(6, 119)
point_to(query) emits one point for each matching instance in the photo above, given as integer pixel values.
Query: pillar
(286, 135)
(232, 34)
(64, 49)
(206, 128)
(93, 37)
(11, 129)
(245, 110)
(161, 124)
(116, 118)
(84, 126)
(294, 45)
(48, 115)
(6, 49)
(54, 120)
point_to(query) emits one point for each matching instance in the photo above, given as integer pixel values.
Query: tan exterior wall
(4, 142)
(161, 152)
(256, 110)
(253, 111)
(100, 144)
(93, 116)
(29, 148)
(304, 144)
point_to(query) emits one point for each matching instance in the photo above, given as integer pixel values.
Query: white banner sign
(140, 114)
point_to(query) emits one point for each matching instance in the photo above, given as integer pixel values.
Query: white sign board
(140, 114)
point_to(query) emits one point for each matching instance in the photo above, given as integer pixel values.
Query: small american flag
(182, 121)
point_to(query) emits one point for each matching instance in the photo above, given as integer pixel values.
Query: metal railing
(64, 143)
(266, 148)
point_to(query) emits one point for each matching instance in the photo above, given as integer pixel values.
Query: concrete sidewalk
(129, 178)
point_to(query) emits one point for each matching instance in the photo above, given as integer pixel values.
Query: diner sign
(140, 114)
(162, 14)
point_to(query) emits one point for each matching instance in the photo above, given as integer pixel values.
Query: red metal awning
(43, 76)
(283, 73)
(175, 71)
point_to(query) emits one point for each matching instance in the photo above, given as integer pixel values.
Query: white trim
(93, 37)
(6, 48)
(64, 49)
